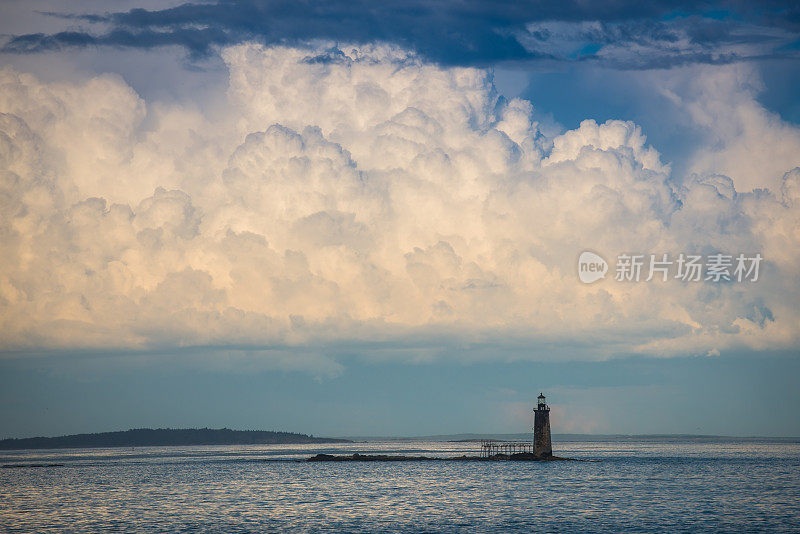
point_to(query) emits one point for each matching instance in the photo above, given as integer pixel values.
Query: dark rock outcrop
(519, 457)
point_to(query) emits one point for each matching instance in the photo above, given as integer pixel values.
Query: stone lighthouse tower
(542, 447)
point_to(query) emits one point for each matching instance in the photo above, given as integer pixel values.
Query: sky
(357, 218)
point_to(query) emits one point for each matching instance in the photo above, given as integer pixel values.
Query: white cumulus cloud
(361, 196)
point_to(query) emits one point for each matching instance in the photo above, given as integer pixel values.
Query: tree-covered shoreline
(143, 437)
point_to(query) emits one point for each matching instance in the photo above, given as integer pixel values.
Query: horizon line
(446, 437)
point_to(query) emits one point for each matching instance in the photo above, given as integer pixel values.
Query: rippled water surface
(636, 486)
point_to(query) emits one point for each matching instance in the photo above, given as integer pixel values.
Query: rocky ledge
(519, 457)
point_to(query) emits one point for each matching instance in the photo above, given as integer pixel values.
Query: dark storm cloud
(453, 32)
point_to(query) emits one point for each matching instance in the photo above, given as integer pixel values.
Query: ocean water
(653, 485)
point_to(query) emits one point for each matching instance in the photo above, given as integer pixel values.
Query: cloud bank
(364, 197)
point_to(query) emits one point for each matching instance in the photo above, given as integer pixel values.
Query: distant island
(144, 437)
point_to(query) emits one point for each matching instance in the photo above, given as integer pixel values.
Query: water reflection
(641, 486)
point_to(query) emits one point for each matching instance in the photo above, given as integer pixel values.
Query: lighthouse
(542, 447)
